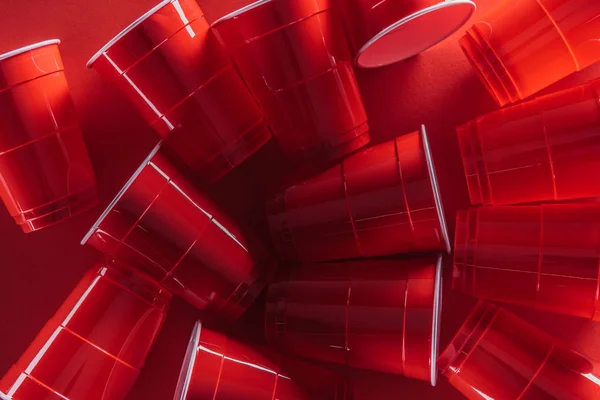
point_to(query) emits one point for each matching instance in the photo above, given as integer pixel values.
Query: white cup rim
(27, 48)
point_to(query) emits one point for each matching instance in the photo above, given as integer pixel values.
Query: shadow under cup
(169, 64)
(45, 169)
(95, 345)
(294, 57)
(162, 225)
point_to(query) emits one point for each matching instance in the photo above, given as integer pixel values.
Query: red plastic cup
(380, 201)
(545, 257)
(497, 355)
(159, 223)
(388, 31)
(523, 46)
(381, 315)
(170, 65)
(219, 368)
(295, 59)
(45, 171)
(542, 150)
(95, 345)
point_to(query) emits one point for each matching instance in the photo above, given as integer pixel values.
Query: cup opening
(27, 48)
(437, 313)
(359, 58)
(185, 375)
(125, 31)
(240, 11)
(129, 182)
(436, 190)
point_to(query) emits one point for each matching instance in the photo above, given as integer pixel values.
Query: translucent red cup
(159, 223)
(220, 368)
(545, 257)
(381, 315)
(45, 169)
(95, 345)
(295, 59)
(380, 201)
(523, 46)
(497, 355)
(544, 149)
(182, 82)
(388, 31)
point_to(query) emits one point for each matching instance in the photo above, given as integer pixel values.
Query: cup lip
(436, 7)
(29, 47)
(125, 31)
(4, 396)
(436, 190)
(240, 11)
(436, 325)
(187, 367)
(121, 192)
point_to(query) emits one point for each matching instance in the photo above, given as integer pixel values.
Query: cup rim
(121, 192)
(187, 367)
(125, 31)
(240, 11)
(436, 7)
(436, 325)
(29, 47)
(436, 190)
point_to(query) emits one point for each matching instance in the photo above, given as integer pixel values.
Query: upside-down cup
(388, 31)
(45, 171)
(295, 59)
(159, 223)
(182, 82)
(95, 345)
(220, 368)
(545, 257)
(380, 201)
(523, 46)
(381, 315)
(497, 355)
(542, 150)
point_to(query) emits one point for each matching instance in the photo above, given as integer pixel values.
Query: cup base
(489, 68)
(77, 204)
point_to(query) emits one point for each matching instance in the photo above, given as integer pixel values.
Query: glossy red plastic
(45, 171)
(381, 315)
(523, 46)
(545, 257)
(174, 71)
(219, 368)
(383, 32)
(295, 59)
(497, 355)
(159, 223)
(545, 149)
(95, 345)
(380, 201)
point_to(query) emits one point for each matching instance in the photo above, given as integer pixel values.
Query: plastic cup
(45, 171)
(295, 59)
(381, 315)
(182, 82)
(545, 149)
(496, 355)
(159, 223)
(220, 368)
(388, 31)
(545, 257)
(523, 46)
(95, 345)
(380, 201)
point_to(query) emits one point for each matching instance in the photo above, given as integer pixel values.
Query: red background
(38, 270)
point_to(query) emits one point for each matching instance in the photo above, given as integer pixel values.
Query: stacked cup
(45, 172)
